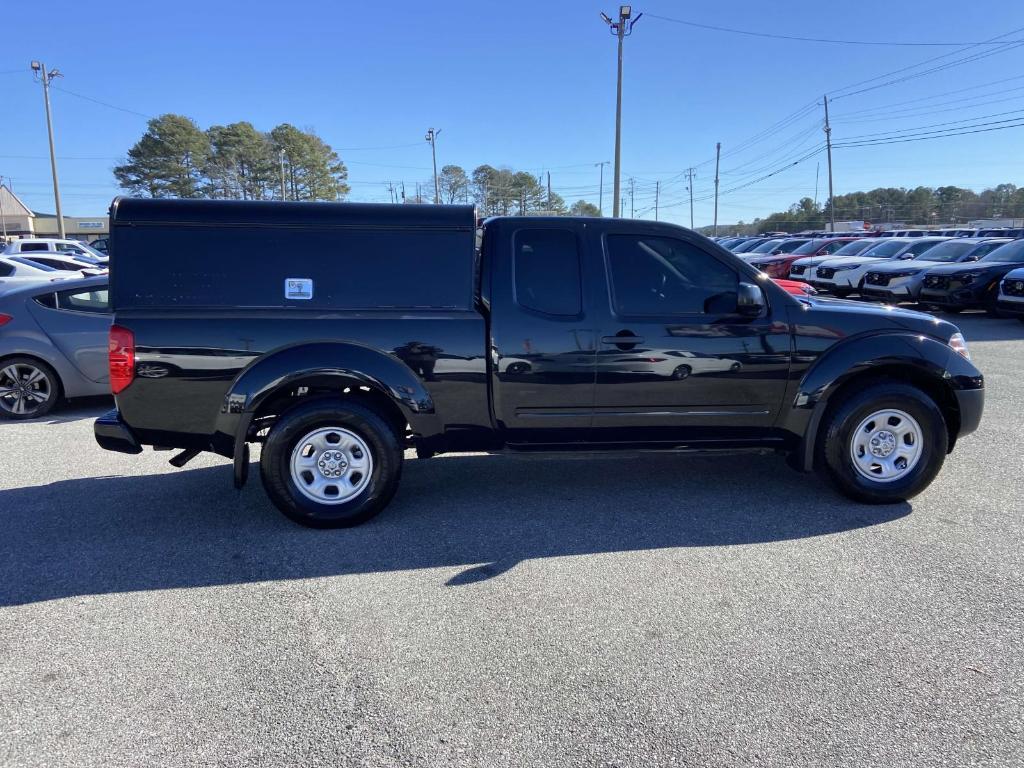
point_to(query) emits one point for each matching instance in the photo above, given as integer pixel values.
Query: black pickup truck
(338, 335)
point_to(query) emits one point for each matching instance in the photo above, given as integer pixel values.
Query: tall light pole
(40, 69)
(828, 145)
(280, 158)
(621, 29)
(600, 188)
(432, 140)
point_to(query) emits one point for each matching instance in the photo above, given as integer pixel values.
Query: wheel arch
(271, 384)
(920, 361)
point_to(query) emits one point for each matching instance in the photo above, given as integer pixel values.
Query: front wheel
(884, 444)
(331, 464)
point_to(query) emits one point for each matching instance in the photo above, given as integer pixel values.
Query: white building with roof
(18, 220)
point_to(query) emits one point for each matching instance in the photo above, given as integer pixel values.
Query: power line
(103, 103)
(814, 39)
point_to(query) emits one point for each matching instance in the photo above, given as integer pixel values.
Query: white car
(66, 262)
(40, 245)
(842, 277)
(1011, 294)
(17, 270)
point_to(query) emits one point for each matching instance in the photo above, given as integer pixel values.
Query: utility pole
(391, 191)
(432, 139)
(657, 195)
(600, 189)
(718, 156)
(3, 216)
(817, 171)
(689, 174)
(403, 191)
(549, 190)
(621, 29)
(632, 215)
(280, 157)
(828, 145)
(40, 69)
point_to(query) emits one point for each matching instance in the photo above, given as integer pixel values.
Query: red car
(795, 287)
(777, 265)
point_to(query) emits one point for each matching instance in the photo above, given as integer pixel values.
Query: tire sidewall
(850, 413)
(292, 426)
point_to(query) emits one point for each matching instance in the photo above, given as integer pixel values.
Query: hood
(1017, 274)
(898, 265)
(973, 266)
(884, 317)
(843, 260)
(813, 261)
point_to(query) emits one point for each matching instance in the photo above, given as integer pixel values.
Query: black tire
(385, 451)
(841, 293)
(992, 301)
(681, 372)
(834, 445)
(52, 386)
(952, 310)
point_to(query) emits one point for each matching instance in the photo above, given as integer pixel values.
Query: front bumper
(885, 294)
(1008, 306)
(971, 403)
(962, 298)
(112, 434)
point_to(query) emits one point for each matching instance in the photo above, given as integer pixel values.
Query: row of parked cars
(951, 271)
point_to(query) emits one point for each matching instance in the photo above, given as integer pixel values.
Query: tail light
(5, 319)
(121, 358)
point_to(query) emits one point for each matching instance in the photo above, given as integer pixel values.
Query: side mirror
(973, 257)
(749, 300)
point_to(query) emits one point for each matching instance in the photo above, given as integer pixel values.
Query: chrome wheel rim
(331, 465)
(24, 389)
(887, 445)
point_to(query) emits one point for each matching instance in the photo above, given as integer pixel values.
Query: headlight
(968, 277)
(844, 267)
(907, 273)
(958, 344)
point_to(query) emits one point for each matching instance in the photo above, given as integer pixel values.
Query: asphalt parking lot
(660, 610)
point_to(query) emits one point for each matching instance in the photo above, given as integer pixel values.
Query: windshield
(766, 246)
(947, 252)
(855, 248)
(886, 248)
(1010, 252)
(920, 247)
(809, 247)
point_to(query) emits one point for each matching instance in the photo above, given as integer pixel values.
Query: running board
(184, 457)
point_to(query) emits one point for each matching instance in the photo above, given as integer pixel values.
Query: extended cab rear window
(547, 271)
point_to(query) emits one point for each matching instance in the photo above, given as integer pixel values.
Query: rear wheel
(884, 443)
(331, 464)
(29, 388)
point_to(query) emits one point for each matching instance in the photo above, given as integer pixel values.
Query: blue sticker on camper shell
(298, 288)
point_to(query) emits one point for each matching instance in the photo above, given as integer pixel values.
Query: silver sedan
(53, 345)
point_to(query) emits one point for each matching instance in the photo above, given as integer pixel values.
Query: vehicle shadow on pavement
(192, 529)
(75, 410)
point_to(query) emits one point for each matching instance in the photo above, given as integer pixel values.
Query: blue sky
(529, 85)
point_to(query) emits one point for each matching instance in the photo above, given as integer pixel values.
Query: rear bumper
(112, 434)
(971, 403)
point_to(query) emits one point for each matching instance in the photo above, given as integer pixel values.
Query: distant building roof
(11, 204)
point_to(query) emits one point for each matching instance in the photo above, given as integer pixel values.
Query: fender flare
(919, 355)
(317, 362)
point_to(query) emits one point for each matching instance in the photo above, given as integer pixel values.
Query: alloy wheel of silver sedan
(331, 465)
(887, 445)
(25, 389)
